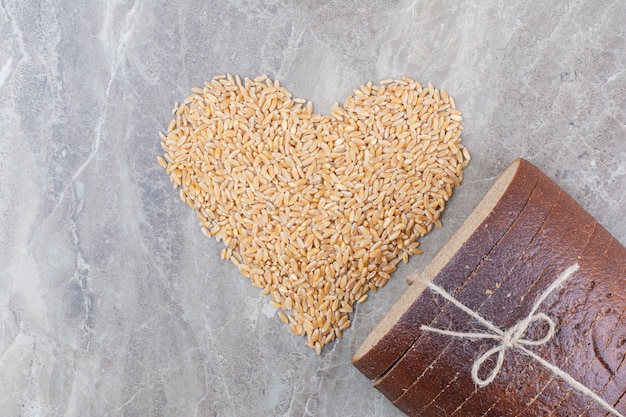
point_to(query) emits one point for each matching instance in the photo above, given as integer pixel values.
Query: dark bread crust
(513, 246)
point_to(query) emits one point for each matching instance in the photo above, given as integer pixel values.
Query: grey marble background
(113, 303)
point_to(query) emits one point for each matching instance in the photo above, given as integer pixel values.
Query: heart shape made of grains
(316, 210)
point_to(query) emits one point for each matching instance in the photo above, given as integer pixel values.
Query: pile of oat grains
(315, 210)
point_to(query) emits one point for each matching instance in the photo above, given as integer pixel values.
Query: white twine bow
(513, 338)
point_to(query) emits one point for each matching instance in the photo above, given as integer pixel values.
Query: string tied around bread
(513, 338)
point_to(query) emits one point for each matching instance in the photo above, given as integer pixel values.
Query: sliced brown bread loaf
(519, 239)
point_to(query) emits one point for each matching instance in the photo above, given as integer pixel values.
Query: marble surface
(112, 301)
